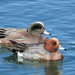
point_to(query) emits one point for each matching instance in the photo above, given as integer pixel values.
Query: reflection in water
(12, 58)
(50, 68)
(53, 68)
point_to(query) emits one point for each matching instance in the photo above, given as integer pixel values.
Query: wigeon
(30, 35)
(47, 51)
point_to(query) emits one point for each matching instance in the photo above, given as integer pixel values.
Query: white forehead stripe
(39, 22)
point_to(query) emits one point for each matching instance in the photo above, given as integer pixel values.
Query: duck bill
(45, 32)
(62, 48)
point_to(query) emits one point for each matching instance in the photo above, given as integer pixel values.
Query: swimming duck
(47, 51)
(30, 35)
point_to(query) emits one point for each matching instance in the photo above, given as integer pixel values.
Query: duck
(30, 35)
(46, 52)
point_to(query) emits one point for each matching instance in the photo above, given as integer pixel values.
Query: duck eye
(53, 43)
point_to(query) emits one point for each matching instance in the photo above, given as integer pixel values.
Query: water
(58, 18)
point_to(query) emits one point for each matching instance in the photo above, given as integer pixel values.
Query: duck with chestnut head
(47, 51)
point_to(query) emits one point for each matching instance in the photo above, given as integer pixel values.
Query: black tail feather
(2, 33)
(19, 46)
(2, 30)
(12, 50)
(13, 42)
(8, 48)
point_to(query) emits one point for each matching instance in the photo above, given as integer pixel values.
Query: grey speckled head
(37, 28)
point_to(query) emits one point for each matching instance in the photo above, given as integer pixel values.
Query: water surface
(58, 18)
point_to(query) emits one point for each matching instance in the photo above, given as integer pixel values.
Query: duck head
(52, 45)
(37, 28)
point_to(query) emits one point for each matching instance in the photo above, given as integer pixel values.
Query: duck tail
(2, 33)
(19, 47)
(12, 50)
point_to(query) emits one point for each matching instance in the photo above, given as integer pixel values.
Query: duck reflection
(53, 69)
(50, 67)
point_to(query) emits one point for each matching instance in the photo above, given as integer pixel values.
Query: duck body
(21, 36)
(39, 53)
(35, 52)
